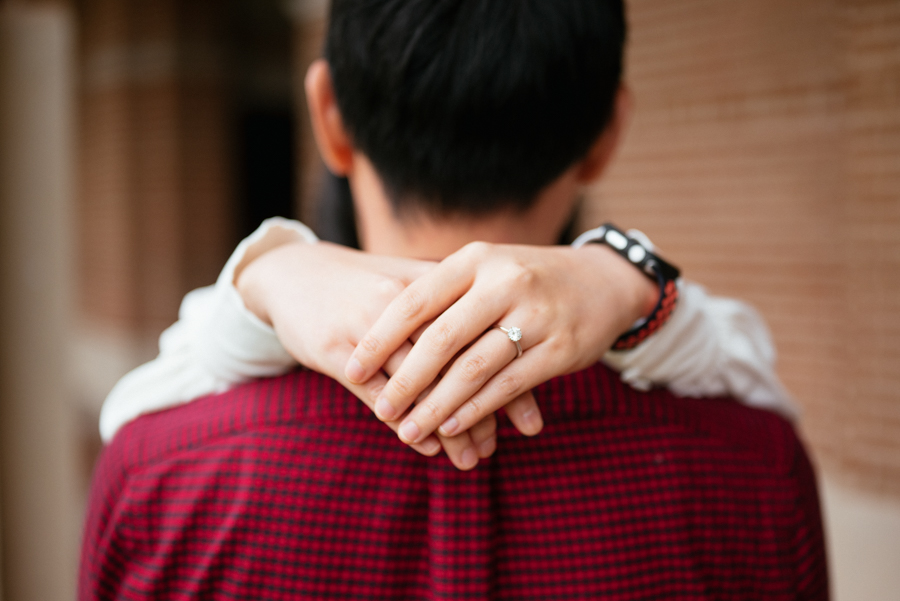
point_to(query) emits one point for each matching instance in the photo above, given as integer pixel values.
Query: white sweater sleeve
(216, 342)
(711, 346)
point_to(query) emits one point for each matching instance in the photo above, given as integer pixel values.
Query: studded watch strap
(653, 266)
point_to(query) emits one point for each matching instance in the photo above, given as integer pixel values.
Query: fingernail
(449, 427)
(487, 447)
(469, 458)
(355, 371)
(529, 416)
(533, 422)
(409, 432)
(384, 410)
(431, 446)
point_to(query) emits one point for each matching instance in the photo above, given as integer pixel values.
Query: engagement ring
(515, 335)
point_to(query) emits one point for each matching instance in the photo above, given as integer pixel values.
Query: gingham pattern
(289, 488)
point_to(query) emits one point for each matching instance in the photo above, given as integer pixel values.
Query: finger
(462, 323)
(525, 415)
(422, 300)
(402, 268)
(487, 356)
(408, 430)
(429, 446)
(409, 270)
(395, 361)
(414, 337)
(515, 379)
(460, 450)
(484, 436)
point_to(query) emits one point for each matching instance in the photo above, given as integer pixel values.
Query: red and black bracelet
(651, 265)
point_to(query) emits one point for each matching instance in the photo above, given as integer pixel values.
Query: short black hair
(470, 106)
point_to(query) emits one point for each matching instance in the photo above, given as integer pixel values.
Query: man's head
(469, 107)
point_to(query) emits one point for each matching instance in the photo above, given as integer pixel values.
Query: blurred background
(139, 141)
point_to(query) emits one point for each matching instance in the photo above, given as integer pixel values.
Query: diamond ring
(515, 335)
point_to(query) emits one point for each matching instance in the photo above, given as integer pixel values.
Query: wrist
(639, 253)
(635, 293)
(273, 233)
(257, 280)
(249, 286)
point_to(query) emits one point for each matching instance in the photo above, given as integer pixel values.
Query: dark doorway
(262, 75)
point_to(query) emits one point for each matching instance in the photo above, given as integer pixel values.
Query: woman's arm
(321, 313)
(571, 304)
(218, 342)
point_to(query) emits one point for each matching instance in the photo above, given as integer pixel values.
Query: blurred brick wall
(764, 158)
(155, 201)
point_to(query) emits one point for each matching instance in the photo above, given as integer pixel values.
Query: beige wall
(863, 537)
(40, 504)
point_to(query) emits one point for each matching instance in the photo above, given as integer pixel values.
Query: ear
(600, 154)
(328, 126)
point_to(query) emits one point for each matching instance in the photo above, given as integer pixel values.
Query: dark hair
(469, 106)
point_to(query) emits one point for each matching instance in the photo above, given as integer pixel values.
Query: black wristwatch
(652, 265)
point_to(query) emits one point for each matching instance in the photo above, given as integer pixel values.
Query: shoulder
(754, 439)
(284, 401)
(713, 452)
(204, 442)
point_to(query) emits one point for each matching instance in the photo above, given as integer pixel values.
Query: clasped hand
(418, 341)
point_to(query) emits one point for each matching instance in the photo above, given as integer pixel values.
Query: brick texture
(155, 157)
(764, 158)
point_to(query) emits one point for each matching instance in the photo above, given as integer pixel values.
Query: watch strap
(650, 264)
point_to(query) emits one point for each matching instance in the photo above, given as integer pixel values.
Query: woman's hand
(321, 299)
(571, 305)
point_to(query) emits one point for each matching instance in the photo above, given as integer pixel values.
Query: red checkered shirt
(289, 488)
